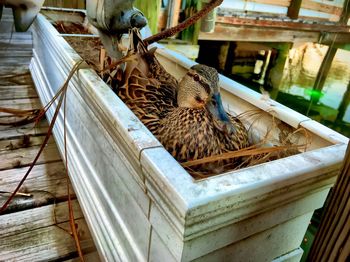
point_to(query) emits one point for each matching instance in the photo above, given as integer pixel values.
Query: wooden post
(293, 9)
(324, 69)
(346, 13)
(344, 104)
(328, 59)
(151, 10)
(276, 75)
(173, 12)
(332, 241)
(191, 33)
(222, 57)
(230, 58)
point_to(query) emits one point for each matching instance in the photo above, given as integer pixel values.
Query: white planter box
(141, 205)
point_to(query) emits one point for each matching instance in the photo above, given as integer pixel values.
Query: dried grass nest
(278, 140)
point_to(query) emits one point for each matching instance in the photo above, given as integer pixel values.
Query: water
(299, 76)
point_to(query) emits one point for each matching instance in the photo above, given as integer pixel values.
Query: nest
(270, 138)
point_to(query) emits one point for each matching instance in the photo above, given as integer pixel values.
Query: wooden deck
(35, 227)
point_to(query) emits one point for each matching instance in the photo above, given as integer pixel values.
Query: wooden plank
(16, 35)
(22, 142)
(45, 244)
(17, 53)
(329, 8)
(47, 183)
(10, 132)
(261, 23)
(24, 103)
(294, 8)
(284, 3)
(24, 156)
(232, 33)
(334, 38)
(17, 92)
(89, 257)
(13, 70)
(15, 78)
(332, 241)
(28, 220)
(321, 7)
(15, 60)
(225, 32)
(16, 103)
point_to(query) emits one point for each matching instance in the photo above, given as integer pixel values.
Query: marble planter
(141, 205)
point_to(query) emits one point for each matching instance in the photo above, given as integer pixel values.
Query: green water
(330, 105)
(333, 106)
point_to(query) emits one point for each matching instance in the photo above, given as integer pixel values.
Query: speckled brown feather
(190, 134)
(148, 90)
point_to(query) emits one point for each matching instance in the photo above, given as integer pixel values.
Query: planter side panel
(101, 176)
(253, 249)
(240, 230)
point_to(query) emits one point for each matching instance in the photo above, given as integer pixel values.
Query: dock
(35, 227)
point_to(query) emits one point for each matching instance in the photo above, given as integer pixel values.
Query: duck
(186, 116)
(199, 126)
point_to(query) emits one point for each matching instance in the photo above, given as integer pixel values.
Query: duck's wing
(149, 93)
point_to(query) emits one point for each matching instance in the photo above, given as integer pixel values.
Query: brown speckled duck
(199, 126)
(187, 116)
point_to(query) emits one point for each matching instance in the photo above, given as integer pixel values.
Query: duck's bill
(216, 108)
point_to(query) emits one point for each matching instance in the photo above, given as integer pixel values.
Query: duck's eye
(199, 99)
(196, 77)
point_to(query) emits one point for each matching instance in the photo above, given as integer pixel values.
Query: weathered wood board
(35, 227)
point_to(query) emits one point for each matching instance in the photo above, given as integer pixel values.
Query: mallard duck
(199, 126)
(187, 116)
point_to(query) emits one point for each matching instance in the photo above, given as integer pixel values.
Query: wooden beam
(332, 241)
(294, 8)
(307, 4)
(322, 7)
(243, 29)
(284, 3)
(331, 28)
(249, 34)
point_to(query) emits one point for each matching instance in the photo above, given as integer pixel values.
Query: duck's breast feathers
(188, 134)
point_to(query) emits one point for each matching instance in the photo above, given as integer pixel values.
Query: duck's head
(199, 88)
